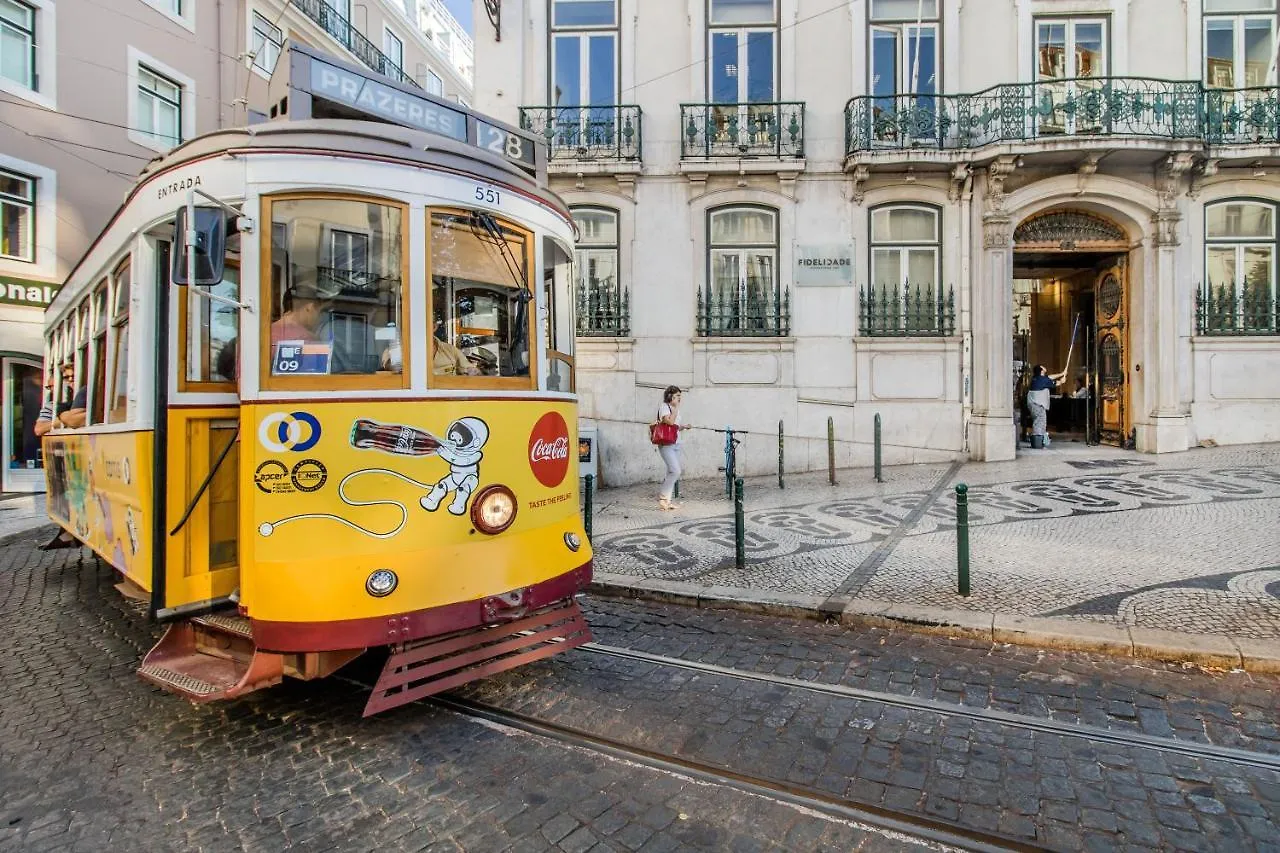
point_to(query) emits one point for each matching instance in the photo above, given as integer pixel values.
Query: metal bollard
(586, 504)
(676, 491)
(739, 526)
(962, 538)
(728, 462)
(831, 450)
(780, 484)
(879, 479)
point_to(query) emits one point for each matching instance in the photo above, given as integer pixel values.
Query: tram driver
(304, 309)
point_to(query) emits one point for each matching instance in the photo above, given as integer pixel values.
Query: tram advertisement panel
(99, 488)
(345, 488)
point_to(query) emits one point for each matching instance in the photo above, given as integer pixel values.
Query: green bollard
(586, 505)
(831, 450)
(676, 492)
(962, 537)
(780, 483)
(739, 526)
(879, 478)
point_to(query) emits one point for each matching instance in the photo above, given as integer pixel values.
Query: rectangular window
(1239, 50)
(159, 107)
(17, 217)
(602, 306)
(435, 85)
(267, 43)
(335, 17)
(335, 286)
(905, 296)
(393, 48)
(118, 412)
(481, 302)
(585, 13)
(98, 352)
(1070, 69)
(18, 43)
(1240, 268)
(743, 296)
(584, 71)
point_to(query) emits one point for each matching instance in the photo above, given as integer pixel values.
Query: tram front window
(337, 289)
(481, 303)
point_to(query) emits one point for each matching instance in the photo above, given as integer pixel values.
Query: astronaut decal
(461, 449)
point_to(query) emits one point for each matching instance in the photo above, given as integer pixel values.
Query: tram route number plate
(300, 357)
(504, 143)
(488, 195)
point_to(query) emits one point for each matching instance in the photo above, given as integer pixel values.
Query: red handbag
(663, 434)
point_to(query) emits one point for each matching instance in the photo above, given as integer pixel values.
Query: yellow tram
(326, 367)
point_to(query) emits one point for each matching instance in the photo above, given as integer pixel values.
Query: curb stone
(1208, 650)
(42, 530)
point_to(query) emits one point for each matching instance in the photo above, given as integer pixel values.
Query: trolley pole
(831, 450)
(586, 504)
(962, 538)
(879, 478)
(739, 526)
(780, 484)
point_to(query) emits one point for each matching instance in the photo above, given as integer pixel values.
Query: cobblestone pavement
(91, 758)
(1186, 542)
(21, 513)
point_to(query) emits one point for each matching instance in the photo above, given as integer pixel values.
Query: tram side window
(337, 289)
(98, 349)
(118, 412)
(558, 321)
(211, 340)
(480, 299)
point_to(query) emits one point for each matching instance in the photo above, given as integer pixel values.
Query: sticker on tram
(295, 358)
(296, 431)
(272, 478)
(549, 449)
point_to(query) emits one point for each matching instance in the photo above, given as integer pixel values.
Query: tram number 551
(488, 195)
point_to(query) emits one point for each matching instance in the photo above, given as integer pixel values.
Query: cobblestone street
(92, 758)
(1185, 542)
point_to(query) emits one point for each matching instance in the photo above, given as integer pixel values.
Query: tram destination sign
(316, 83)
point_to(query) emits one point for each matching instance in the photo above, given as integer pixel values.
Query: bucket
(1037, 442)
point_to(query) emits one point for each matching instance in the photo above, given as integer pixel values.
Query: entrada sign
(35, 294)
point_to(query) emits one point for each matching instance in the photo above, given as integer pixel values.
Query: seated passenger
(304, 310)
(75, 414)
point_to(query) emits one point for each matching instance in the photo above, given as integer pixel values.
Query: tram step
(209, 658)
(422, 668)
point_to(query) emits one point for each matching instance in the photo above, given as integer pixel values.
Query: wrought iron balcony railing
(1221, 310)
(610, 133)
(604, 311)
(353, 40)
(742, 130)
(1079, 107)
(912, 310)
(741, 315)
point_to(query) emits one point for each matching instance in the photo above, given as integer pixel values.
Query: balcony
(1221, 310)
(746, 315)
(353, 40)
(604, 311)
(607, 134)
(906, 312)
(1078, 108)
(764, 130)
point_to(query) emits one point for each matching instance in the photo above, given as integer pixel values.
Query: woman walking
(1038, 401)
(669, 413)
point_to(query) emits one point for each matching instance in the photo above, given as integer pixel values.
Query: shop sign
(824, 264)
(33, 294)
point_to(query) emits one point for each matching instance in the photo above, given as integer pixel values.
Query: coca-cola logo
(549, 449)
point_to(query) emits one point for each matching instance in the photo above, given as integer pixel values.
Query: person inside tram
(47, 420)
(304, 309)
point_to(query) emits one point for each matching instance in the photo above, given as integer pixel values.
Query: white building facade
(816, 213)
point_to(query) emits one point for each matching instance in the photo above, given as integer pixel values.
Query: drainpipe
(966, 313)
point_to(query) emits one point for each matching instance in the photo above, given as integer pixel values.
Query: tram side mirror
(210, 246)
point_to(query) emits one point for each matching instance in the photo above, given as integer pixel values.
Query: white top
(665, 411)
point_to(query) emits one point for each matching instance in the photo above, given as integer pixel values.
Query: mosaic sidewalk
(1187, 543)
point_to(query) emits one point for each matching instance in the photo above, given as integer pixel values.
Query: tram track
(915, 826)
(1025, 722)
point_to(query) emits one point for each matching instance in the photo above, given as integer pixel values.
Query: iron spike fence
(744, 315)
(910, 310)
(353, 40)
(1222, 310)
(1076, 107)
(774, 129)
(604, 311)
(586, 133)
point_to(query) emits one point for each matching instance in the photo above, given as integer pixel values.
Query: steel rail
(917, 827)
(1208, 751)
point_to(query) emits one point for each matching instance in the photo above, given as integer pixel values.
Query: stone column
(1168, 431)
(993, 435)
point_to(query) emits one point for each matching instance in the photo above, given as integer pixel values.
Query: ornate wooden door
(1111, 301)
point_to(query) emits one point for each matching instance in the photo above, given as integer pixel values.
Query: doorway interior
(23, 383)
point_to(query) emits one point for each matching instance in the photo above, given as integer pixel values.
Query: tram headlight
(572, 541)
(381, 583)
(494, 509)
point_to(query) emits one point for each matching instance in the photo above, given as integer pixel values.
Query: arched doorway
(1070, 314)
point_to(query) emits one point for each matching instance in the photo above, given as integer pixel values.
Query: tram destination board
(318, 85)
